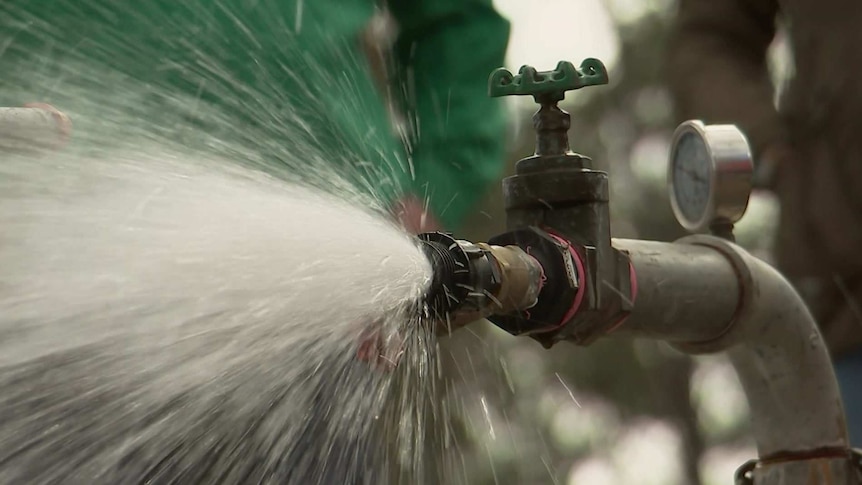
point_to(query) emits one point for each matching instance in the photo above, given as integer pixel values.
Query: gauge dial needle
(693, 174)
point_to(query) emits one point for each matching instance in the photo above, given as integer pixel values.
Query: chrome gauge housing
(709, 175)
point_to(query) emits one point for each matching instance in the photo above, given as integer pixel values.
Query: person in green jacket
(265, 62)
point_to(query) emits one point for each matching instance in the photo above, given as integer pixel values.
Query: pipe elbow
(780, 357)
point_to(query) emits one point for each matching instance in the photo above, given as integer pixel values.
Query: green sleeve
(446, 50)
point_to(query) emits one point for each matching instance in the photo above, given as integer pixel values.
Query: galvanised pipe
(705, 295)
(683, 292)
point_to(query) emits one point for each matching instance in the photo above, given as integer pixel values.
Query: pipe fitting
(561, 283)
(703, 294)
(521, 278)
(476, 279)
(781, 359)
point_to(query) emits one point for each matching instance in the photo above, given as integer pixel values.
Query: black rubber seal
(450, 283)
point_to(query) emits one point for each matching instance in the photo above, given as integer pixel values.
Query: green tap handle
(547, 85)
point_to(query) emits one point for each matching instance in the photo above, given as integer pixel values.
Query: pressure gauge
(709, 174)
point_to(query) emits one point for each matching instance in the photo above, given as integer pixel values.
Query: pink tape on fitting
(579, 270)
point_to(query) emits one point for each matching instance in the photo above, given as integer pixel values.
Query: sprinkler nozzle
(524, 284)
(473, 280)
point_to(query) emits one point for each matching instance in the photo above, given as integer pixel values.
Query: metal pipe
(703, 294)
(684, 293)
(771, 340)
(813, 471)
(33, 128)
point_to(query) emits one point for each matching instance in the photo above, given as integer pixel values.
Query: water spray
(33, 128)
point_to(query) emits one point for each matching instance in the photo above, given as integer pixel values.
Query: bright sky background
(545, 32)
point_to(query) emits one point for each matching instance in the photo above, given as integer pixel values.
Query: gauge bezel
(730, 173)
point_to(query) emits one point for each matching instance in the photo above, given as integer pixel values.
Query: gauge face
(710, 175)
(692, 172)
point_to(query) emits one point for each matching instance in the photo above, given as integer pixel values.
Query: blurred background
(619, 411)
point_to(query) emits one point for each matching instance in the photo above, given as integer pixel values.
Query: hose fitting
(478, 279)
(527, 281)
